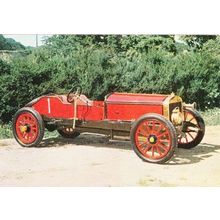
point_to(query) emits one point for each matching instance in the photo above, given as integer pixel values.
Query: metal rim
(153, 139)
(27, 128)
(190, 133)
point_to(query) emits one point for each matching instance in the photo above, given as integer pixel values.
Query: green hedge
(148, 64)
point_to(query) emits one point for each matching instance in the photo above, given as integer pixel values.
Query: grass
(6, 132)
(211, 118)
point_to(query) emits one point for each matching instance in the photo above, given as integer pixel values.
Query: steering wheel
(71, 94)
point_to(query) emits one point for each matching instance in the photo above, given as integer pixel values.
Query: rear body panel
(56, 106)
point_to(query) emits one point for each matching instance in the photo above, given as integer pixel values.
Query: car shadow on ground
(194, 155)
(93, 140)
(181, 157)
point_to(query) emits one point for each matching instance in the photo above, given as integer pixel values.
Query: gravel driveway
(93, 160)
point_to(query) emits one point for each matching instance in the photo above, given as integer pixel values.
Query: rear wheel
(68, 132)
(28, 127)
(193, 129)
(153, 138)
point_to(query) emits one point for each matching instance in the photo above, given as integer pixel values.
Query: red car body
(117, 106)
(158, 122)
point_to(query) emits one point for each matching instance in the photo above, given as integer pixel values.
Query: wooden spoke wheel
(28, 127)
(68, 132)
(154, 138)
(193, 129)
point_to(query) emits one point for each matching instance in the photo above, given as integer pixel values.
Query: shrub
(103, 64)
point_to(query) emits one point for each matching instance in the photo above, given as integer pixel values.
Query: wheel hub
(152, 139)
(23, 128)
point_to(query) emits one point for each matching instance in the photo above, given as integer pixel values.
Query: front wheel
(28, 127)
(153, 138)
(193, 129)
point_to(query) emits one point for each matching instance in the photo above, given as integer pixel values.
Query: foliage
(197, 41)
(9, 44)
(211, 116)
(5, 131)
(107, 63)
(5, 68)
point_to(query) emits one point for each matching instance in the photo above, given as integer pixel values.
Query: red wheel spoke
(162, 143)
(141, 134)
(152, 151)
(32, 132)
(158, 150)
(23, 134)
(144, 131)
(21, 122)
(153, 126)
(161, 127)
(141, 145)
(147, 149)
(163, 147)
(147, 127)
(162, 134)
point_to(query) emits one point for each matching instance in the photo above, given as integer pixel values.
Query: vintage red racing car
(156, 124)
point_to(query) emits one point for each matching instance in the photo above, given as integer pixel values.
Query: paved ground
(93, 160)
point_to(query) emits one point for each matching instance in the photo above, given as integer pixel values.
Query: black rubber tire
(201, 132)
(40, 126)
(70, 135)
(172, 131)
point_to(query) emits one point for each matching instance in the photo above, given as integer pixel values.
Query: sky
(30, 39)
(27, 39)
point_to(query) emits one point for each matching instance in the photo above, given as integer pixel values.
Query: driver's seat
(85, 100)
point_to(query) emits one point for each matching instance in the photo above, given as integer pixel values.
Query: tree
(10, 44)
(107, 63)
(196, 42)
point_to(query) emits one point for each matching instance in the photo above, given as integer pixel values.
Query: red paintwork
(129, 112)
(93, 113)
(58, 107)
(130, 106)
(135, 98)
(117, 106)
(54, 107)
